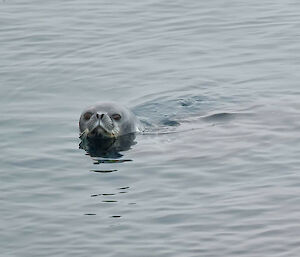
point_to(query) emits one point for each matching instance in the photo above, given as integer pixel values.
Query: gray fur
(111, 127)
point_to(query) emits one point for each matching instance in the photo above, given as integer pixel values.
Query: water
(225, 182)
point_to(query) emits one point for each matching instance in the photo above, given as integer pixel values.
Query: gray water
(225, 182)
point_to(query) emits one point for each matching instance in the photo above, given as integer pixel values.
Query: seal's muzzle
(102, 125)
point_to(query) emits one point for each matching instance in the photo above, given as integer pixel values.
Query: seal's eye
(116, 116)
(87, 115)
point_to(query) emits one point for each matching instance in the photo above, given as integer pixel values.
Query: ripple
(104, 171)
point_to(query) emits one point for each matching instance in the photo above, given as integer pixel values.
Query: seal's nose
(99, 115)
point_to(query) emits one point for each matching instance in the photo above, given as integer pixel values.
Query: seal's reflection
(107, 147)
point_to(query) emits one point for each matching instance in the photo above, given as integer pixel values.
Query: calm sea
(224, 182)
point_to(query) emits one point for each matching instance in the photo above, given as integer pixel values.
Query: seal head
(107, 120)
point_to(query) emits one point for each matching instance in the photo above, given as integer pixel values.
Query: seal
(107, 120)
(106, 129)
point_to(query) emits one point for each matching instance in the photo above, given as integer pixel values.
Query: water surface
(225, 182)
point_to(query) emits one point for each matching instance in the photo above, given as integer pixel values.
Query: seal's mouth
(101, 125)
(99, 131)
(104, 126)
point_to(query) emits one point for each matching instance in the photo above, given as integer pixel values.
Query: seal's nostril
(99, 116)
